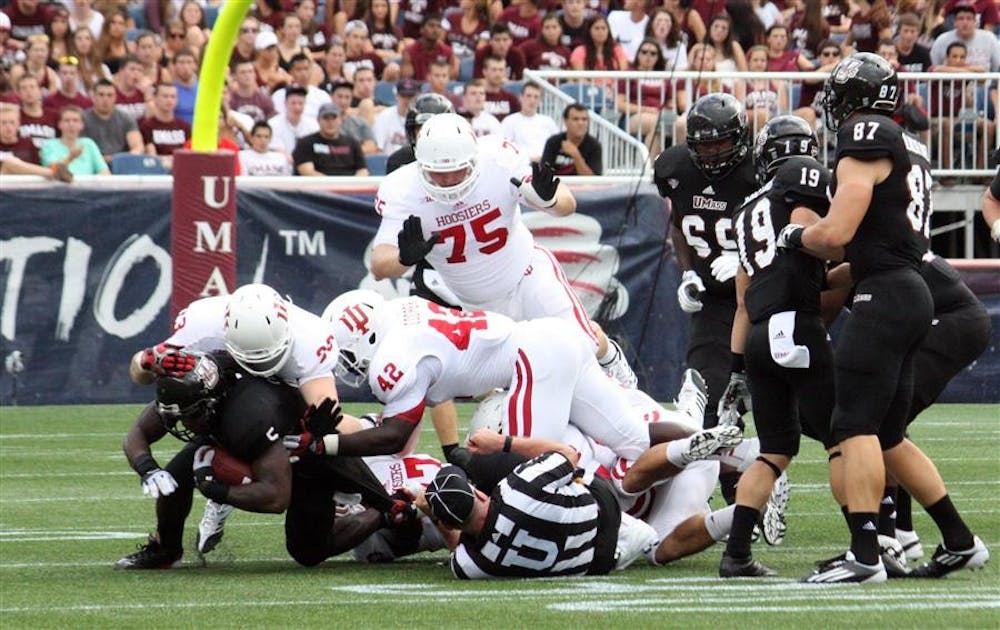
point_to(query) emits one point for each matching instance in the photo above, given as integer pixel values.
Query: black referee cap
(450, 496)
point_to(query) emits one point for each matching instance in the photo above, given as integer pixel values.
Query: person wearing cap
(359, 51)
(390, 123)
(292, 125)
(270, 74)
(300, 68)
(328, 152)
(544, 519)
(983, 48)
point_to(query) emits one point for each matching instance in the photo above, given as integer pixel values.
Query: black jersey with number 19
(781, 281)
(889, 237)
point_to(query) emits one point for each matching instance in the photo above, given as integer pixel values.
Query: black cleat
(846, 571)
(944, 561)
(730, 567)
(151, 556)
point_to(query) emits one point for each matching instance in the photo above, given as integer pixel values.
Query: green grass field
(70, 507)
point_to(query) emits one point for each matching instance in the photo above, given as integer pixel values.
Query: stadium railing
(970, 115)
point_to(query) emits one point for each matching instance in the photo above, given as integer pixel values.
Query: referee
(540, 521)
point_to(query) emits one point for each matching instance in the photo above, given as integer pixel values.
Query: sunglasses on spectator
(69, 60)
(249, 30)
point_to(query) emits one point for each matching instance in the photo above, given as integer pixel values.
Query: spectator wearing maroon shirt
(642, 101)
(779, 58)
(163, 132)
(244, 48)
(27, 18)
(386, 37)
(547, 52)
(468, 26)
(360, 53)
(415, 14)
(499, 101)
(12, 144)
(574, 151)
(417, 57)
(247, 97)
(68, 92)
(523, 19)
(37, 123)
(869, 24)
(129, 97)
(501, 44)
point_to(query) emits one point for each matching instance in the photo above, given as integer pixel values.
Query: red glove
(167, 360)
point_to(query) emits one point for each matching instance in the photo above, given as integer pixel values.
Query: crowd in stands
(319, 86)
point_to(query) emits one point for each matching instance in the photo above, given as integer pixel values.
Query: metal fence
(959, 110)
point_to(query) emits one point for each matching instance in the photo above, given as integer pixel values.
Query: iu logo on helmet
(356, 319)
(280, 311)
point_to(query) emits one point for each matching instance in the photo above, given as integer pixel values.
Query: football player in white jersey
(267, 336)
(413, 352)
(459, 207)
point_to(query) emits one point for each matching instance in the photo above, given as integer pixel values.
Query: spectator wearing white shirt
(292, 125)
(390, 123)
(474, 108)
(628, 27)
(260, 159)
(300, 68)
(983, 47)
(527, 128)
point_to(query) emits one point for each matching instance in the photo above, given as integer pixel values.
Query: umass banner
(87, 279)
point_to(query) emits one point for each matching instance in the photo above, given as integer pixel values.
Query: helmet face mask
(861, 82)
(258, 335)
(448, 158)
(187, 406)
(421, 109)
(354, 316)
(717, 134)
(781, 138)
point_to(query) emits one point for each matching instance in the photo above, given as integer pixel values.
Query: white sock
(719, 522)
(676, 452)
(610, 355)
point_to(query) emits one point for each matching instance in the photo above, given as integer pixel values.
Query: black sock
(847, 516)
(744, 518)
(727, 483)
(887, 512)
(904, 510)
(956, 534)
(864, 536)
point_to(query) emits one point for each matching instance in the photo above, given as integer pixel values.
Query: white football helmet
(354, 315)
(447, 144)
(489, 414)
(257, 332)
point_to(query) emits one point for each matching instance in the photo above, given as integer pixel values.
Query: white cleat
(911, 543)
(693, 396)
(618, 368)
(773, 524)
(708, 442)
(210, 529)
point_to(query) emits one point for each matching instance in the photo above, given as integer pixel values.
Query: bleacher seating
(385, 92)
(376, 164)
(131, 164)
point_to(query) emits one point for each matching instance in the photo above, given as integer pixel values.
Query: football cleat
(911, 543)
(708, 442)
(772, 520)
(693, 396)
(944, 561)
(151, 556)
(618, 368)
(730, 567)
(893, 556)
(847, 571)
(210, 529)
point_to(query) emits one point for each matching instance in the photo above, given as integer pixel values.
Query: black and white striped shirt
(541, 522)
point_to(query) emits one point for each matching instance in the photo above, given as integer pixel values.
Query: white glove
(687, 293)
(725, 266)
(790, 236)
(158, 483)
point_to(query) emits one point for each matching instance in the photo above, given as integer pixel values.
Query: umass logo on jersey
(700, 202)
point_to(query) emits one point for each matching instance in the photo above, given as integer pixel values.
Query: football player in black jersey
(778, 330)
(991, 202)
(208, 407)
(879, 215)
(706, 181)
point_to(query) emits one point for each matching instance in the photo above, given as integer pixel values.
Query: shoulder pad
(666, 169)
(804, 181)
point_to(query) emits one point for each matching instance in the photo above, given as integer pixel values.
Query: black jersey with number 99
(781, 280)
(895, 230)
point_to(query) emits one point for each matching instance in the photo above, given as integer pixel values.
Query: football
(230, 470)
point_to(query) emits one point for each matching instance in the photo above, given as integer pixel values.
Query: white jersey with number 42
(485, 248)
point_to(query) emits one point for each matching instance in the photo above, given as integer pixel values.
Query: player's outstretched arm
(856, 181)
(485, 442)
(385, 262)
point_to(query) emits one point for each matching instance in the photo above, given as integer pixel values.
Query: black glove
(323, 420)
(412, 244)
(544, 181)
(204, 476)
(457, 455)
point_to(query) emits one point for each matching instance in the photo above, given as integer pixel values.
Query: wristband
(507, 442)
(215, 490)
(144, 464)
(736, 363)
(795, 237)
(331, 443)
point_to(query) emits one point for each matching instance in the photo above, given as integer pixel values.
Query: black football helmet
(861, 82)
(421, 109)
(717, 134)
(187, 405)
(781, 138)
